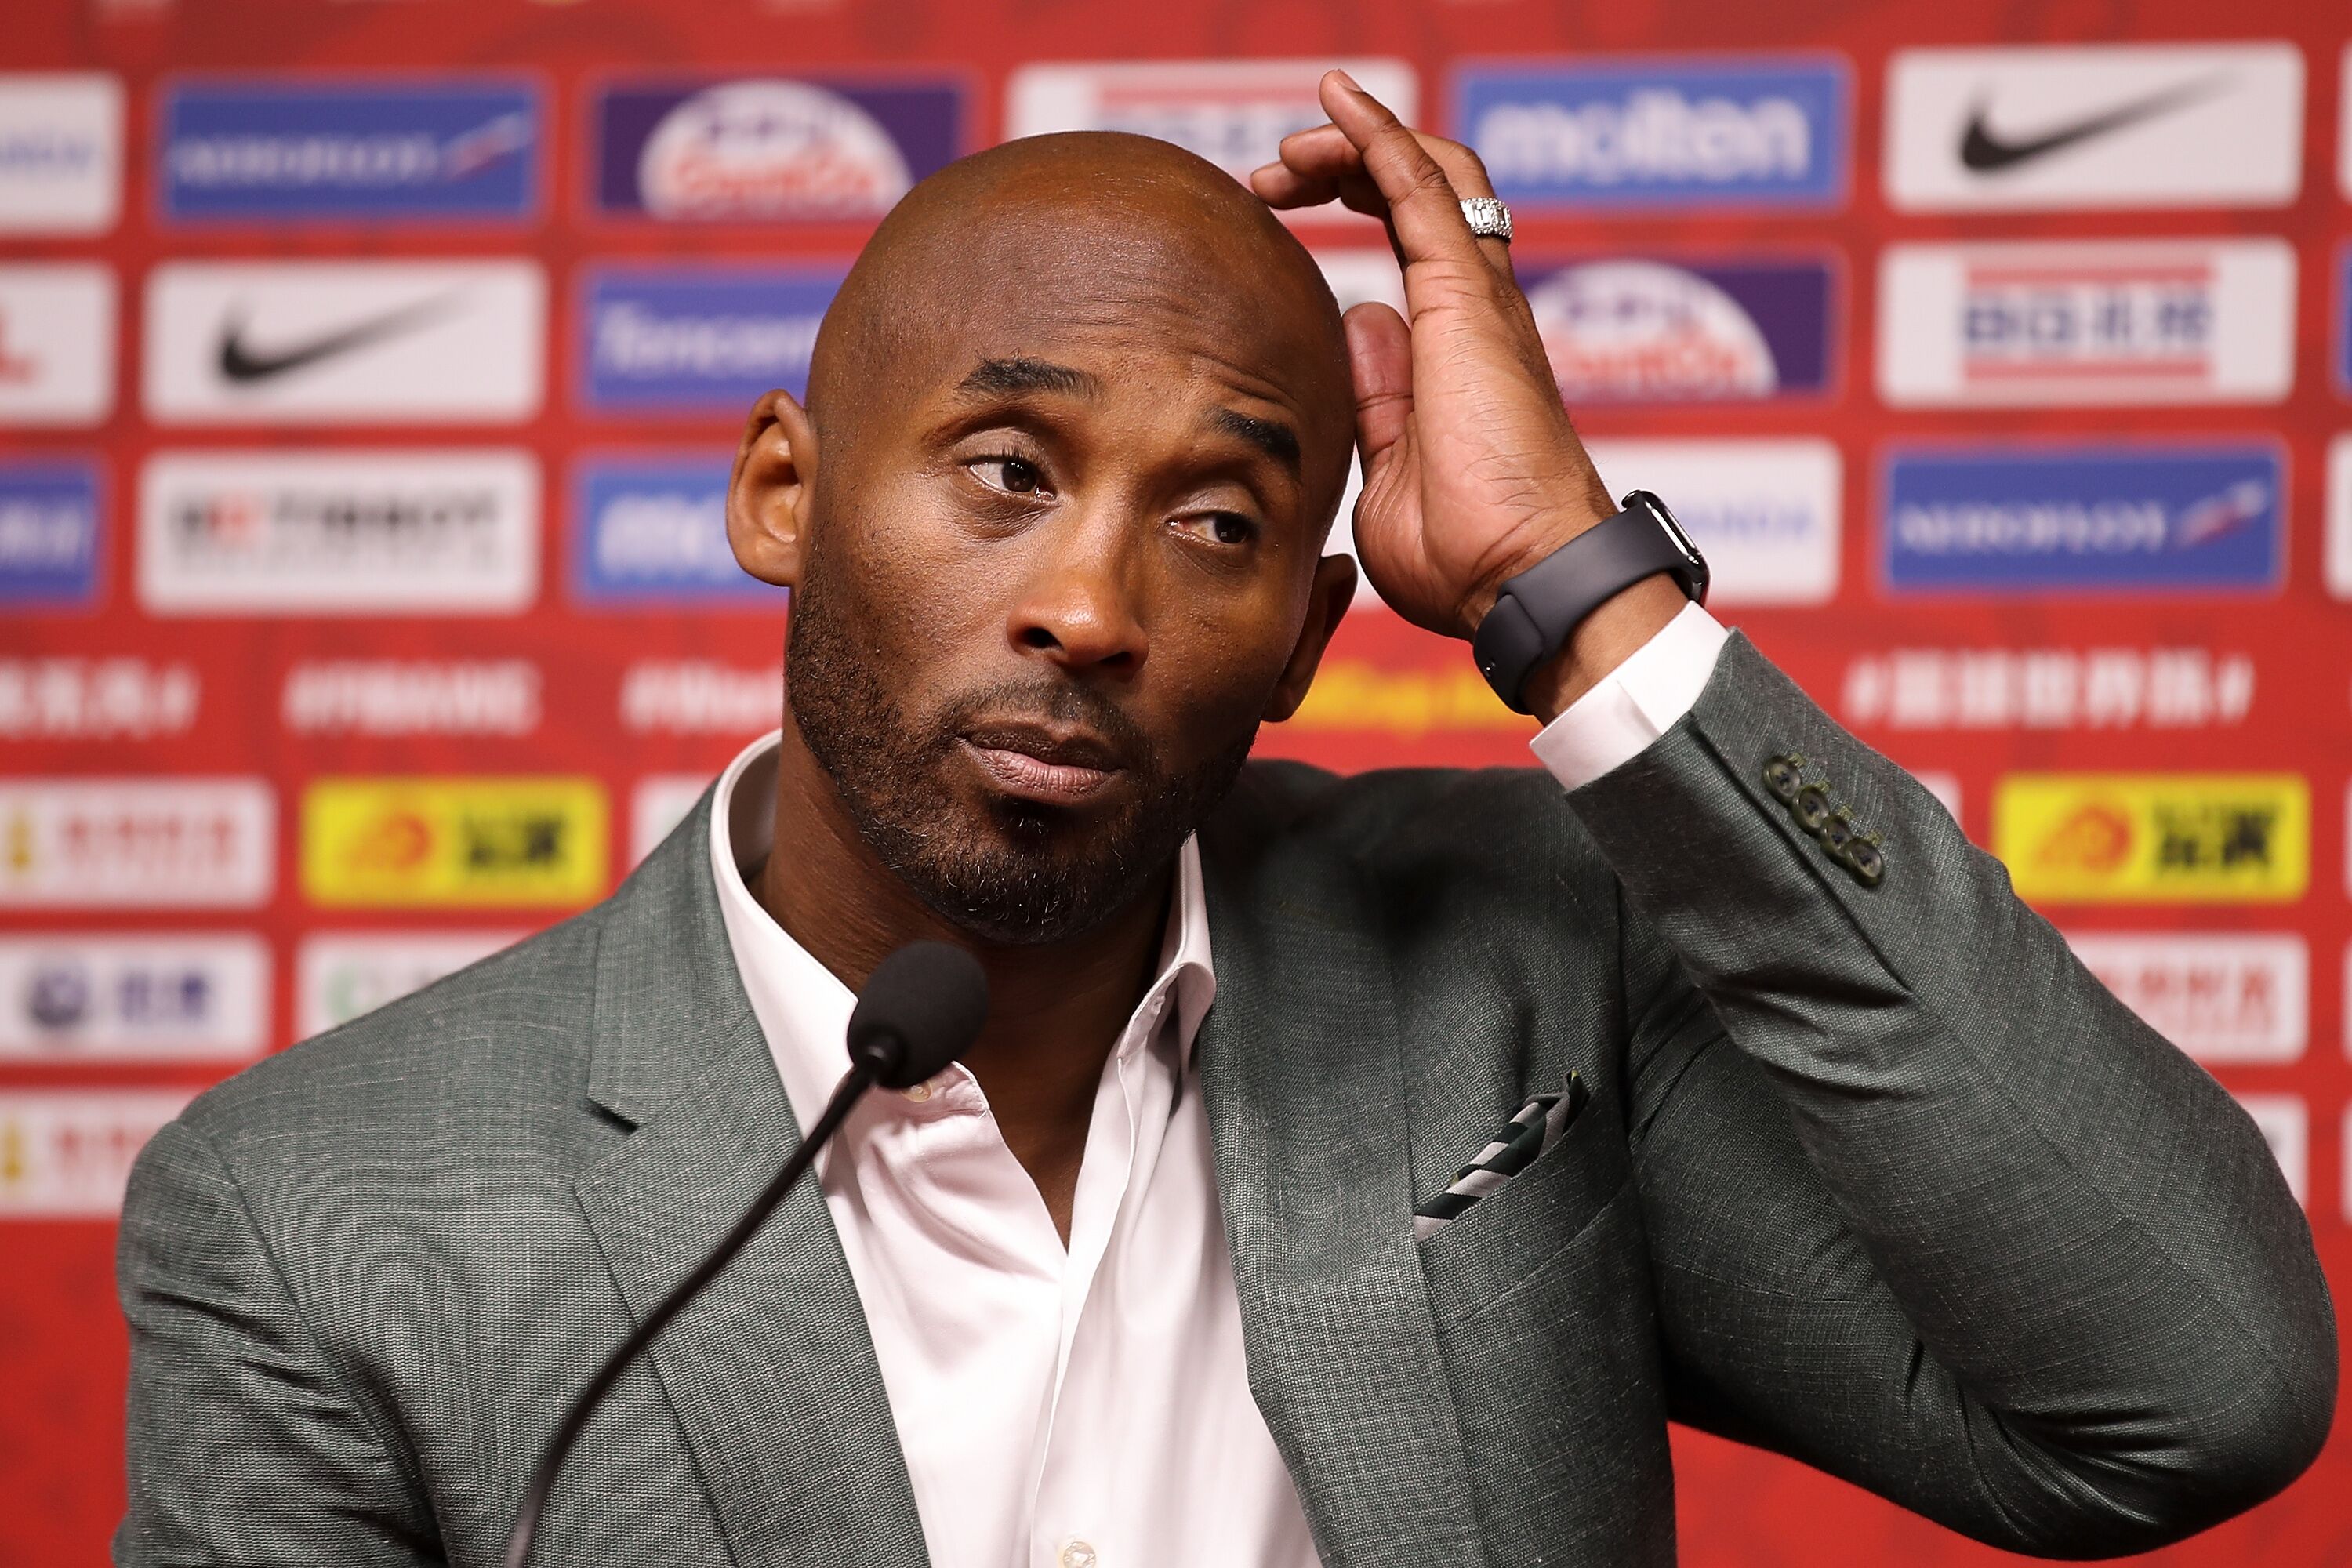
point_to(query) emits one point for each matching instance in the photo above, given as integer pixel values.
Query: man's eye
(1220, 527)
(1011, 475)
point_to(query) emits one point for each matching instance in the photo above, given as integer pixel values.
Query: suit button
(1780, 775)
(1863, 859)
(1811, 807)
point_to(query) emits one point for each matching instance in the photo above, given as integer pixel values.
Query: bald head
(993, 254)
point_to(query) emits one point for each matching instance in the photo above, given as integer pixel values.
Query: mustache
(1062, 702)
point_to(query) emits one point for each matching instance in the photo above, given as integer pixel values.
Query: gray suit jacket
(1876, 1177)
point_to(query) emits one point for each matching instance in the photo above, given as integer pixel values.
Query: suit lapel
(771, 1371)
(1305, 1096)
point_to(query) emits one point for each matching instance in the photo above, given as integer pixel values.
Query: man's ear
(1327, 601)
(772, 490)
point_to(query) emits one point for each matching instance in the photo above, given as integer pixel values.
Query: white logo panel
(145, 843)
(66, 1154)
(1765, 513)
(2135, 322)
(98, 997)
(339, 532)
(2221, 996)
(341, 974)
(1234, 113)
(411, 697)
(57, 344)
(335, 342)
(60, 152)
(2117, 125)
(2339, 517)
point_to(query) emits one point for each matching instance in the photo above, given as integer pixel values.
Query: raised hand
(1472, 470)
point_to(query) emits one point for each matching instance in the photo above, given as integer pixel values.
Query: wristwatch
(1540, 608)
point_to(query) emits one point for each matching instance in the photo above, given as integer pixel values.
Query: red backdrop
(617, 688)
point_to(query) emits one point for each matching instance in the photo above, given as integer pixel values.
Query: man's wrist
(1616, 629)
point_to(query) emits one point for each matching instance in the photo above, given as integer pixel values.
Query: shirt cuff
(1635, 703)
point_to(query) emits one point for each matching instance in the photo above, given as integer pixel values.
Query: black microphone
(921, 1008)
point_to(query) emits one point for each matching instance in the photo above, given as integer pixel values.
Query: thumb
(1380, 362)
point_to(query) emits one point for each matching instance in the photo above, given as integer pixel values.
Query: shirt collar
(803, 1009)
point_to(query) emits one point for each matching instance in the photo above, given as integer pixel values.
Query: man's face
(1054, 579)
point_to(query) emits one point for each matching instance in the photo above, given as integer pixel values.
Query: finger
(1420, 178)
(1280, 186)
(1380, 364)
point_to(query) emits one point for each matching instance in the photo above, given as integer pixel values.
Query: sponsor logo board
(48, 535)
(392, 843)
(143, 843)
(1759, 130)
(653, 531)
(119, 699)
(1658, 330)
(60, 151)
(2067, 322)
(1765, 513)
(1233, 112)
(339, 342)
(338, 975)
(2284, 1123)
(2110, 125)
(66, 1154)
(2185, 518)
(57, 344)
(769, 149)
(2221, 996)
(2155, 838)
(699, 340)
(1358, 277)
(369, 530)
(411, 697)
(2339, 517)
(658, 805)
(354, 148)
(700, 697)
(96, 996)
(2050, 688)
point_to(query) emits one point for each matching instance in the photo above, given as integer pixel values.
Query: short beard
(1024, 877)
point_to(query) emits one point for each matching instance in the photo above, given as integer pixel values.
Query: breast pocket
(1532, 1216)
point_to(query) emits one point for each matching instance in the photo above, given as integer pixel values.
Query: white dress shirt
(1086, 1406)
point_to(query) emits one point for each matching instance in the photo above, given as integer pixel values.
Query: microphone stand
(862, 1075)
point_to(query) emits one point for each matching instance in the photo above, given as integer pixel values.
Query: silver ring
(1489, 218)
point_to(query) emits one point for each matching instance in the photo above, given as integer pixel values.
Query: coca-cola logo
(770, 149)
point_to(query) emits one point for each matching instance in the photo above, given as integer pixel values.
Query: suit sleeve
(244, 1446)
(1929, 1208)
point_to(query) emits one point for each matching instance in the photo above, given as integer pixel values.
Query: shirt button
(919, 1093)
(1077, 1554)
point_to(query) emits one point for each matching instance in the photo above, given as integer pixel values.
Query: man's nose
(1080, 605)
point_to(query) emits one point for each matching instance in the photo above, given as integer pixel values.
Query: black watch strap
(1538, 608)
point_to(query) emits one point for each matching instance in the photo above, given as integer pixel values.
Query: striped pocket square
(1537, 1125)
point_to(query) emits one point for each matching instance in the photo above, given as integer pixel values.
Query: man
(1212, 1252)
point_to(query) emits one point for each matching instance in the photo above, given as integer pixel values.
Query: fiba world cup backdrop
(368, 373)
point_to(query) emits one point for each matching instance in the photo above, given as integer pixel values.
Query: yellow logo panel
(434, 842)
(2155, 838)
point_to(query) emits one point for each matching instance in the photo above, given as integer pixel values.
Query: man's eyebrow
(1011, 377)
(1272, 436)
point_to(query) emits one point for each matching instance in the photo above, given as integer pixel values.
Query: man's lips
(1058, 767)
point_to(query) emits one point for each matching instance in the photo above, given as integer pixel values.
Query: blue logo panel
(48, 535)
(2086, 518)
(1764, 131)
(652, 532)
(698, 339)
(257, 151)
(769, 149)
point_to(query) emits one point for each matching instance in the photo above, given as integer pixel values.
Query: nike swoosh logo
(1986, 153)
(245, 365)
